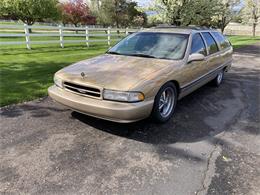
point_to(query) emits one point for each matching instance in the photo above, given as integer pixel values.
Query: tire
(164, 103)
(218, 79)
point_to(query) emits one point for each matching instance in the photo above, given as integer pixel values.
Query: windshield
(153, 45)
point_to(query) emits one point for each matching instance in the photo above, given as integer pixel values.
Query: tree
(120, 13)
(251, 13)
(134, 16)
(173, 9)
(30, 11)
(6, 10)
(226, 13)
(154, 20)
(187, 12)
(95, 5)
(199, 12)
(76, 12)
(237, 18)
(140, 20)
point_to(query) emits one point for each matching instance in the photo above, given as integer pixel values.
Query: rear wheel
(165, 103)
(219, 78)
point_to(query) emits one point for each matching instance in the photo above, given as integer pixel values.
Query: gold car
(144, 74)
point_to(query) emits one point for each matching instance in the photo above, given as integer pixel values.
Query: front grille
(83, 90)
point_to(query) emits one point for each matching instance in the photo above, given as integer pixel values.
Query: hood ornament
(83, 75)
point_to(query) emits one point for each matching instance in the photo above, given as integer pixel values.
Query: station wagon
(145, 74)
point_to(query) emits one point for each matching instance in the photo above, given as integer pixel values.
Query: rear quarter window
(223, 41)
(211, 43)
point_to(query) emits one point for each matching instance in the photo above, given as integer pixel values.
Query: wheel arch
(155, 112)
(177, 85)
(226, 68)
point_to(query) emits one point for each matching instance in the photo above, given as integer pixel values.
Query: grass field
(240, 41)
(26, 74)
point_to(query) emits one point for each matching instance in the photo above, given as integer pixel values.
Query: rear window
(211, 43)
(224, 43)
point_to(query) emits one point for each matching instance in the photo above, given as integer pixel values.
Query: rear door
(225, 46)
(214, 54)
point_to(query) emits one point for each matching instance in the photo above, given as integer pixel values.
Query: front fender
(151, 85)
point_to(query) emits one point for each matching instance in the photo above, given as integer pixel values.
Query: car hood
(116, 72)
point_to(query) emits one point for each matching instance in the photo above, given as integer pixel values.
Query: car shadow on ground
(200, 115)
(187, 125)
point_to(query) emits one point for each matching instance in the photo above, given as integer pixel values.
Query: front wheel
(165, 103)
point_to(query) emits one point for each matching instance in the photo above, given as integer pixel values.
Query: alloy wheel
(166, 102)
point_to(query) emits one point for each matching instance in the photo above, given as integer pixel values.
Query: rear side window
(211, 43)
(197, 45)
(224, 43)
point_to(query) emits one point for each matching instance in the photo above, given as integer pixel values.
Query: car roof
(181, 30)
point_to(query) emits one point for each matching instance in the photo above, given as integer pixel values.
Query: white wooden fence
(109, 34)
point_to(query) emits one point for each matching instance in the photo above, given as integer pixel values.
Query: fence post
(61, 36)
(27, 36)
(87, 36)
(108, 36)
(126, 31)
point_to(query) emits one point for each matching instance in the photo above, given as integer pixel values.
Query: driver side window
(197, 45)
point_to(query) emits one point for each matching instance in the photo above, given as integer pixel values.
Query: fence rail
(62, 32)
(89, 35)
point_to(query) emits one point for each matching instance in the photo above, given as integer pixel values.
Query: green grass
(240, 41)
(26, 74)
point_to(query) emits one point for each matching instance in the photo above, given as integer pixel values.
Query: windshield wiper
(114, 52)
(134, 54)
(142, 55)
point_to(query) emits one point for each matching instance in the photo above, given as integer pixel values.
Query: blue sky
(143, 3)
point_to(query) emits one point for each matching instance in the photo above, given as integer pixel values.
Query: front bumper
(108, 110)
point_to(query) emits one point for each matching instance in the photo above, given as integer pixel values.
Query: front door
(195, 69)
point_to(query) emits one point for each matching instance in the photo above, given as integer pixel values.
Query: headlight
(122, 96)
(58, 81)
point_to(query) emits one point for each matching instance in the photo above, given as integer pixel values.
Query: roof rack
(183, 27)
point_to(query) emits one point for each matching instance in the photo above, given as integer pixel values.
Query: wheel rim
(166, 102)
(219, 77)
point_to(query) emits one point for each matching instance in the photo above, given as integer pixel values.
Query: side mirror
(196, 57)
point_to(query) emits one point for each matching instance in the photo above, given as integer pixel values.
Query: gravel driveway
(211, 146)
